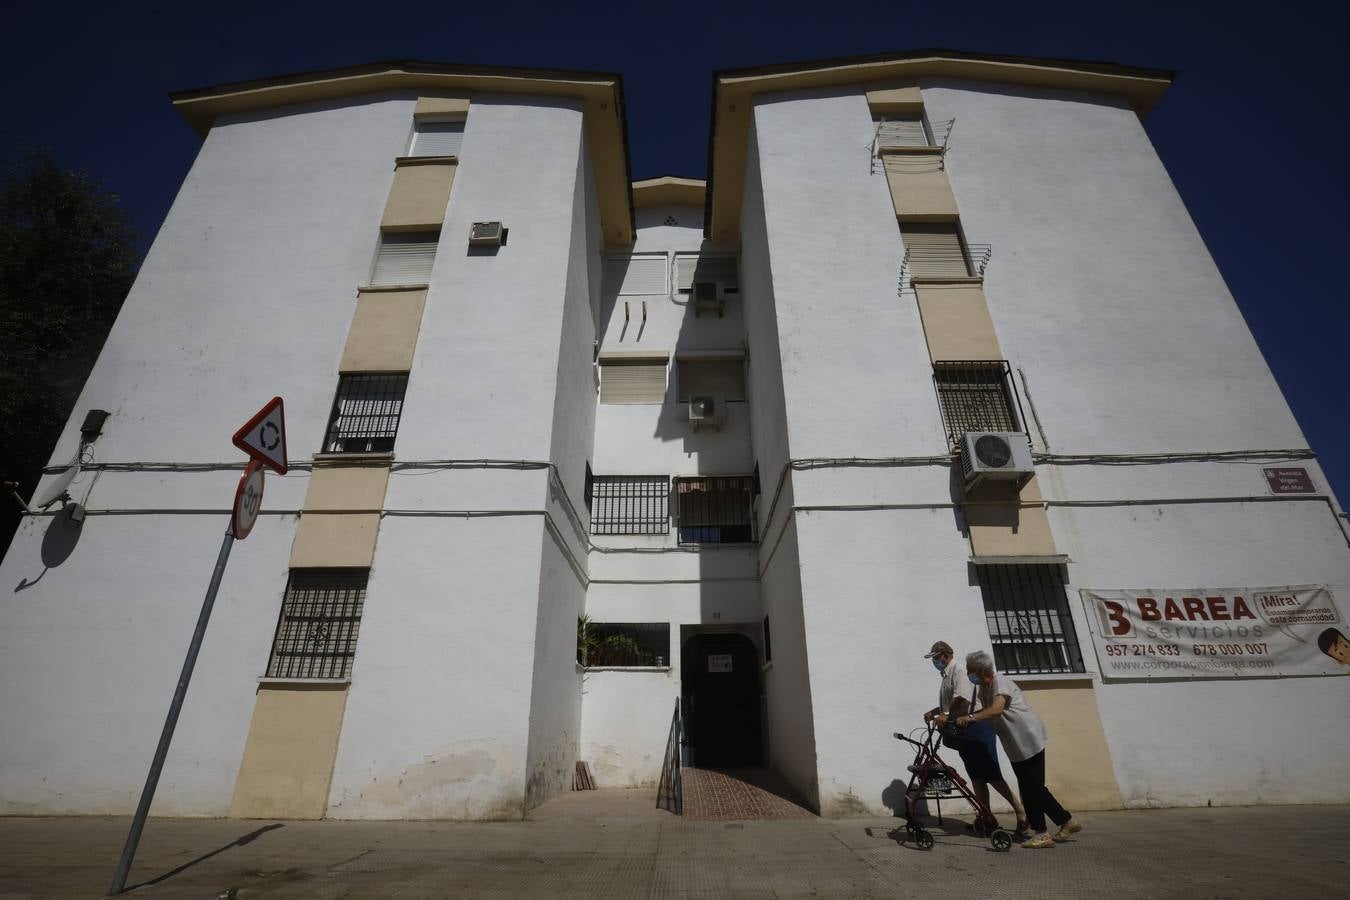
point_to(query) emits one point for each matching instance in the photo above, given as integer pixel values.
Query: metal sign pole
(171, 722)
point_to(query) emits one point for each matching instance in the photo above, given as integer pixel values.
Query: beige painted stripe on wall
(383, 333)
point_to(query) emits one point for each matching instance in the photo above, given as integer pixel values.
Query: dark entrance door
(720, 683)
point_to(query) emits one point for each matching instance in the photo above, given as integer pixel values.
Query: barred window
(365, 414)
(630, 504)
(1027, 612)
(319, 621)
(976, 396)
(628, 644)
(716, 510)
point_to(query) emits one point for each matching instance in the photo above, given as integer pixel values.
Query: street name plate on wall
(1290, 481)
(720, 662)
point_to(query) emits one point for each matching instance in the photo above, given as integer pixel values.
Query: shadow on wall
(57, 545)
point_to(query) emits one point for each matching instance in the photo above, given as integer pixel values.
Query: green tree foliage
(67, 260)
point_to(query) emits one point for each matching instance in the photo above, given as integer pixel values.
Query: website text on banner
(1253, 632)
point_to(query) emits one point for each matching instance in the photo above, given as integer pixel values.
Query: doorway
(720, 687)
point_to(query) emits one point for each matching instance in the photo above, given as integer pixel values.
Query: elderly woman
(1023, 737)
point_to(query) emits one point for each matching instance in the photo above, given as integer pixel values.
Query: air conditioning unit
(996, 456)
(487, 234)
(708, 295)
(707, 410)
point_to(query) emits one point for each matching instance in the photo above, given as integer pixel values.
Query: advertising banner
(1252, 632)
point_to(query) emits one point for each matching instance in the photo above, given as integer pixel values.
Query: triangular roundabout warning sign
(263, 437)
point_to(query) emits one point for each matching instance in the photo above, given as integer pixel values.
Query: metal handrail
(921, 261)
(670, 789)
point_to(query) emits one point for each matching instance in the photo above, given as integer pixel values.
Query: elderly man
(978, 750)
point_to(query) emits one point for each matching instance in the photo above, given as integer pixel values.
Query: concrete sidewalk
(614, 844)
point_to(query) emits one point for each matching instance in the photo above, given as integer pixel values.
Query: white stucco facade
(1150, 409)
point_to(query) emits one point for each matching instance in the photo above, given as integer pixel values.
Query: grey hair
(979, 661)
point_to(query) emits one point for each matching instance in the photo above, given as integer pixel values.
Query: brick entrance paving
(724, 795)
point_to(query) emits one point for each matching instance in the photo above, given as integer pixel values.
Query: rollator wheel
(1001, 840)
(924, 839)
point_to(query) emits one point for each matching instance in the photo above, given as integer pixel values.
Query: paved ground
(601, 844)
(733, 795)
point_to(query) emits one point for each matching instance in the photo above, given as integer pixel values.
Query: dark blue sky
(1253, 132)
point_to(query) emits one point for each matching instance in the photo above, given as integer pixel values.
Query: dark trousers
(1036, 797)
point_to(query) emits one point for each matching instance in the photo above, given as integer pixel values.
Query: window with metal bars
(319, 621)
(976, 396)
(716, 510)
(1027, 611)
(365, 414)
(628, 643)
(630, 504)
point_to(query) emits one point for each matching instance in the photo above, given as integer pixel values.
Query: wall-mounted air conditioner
(995, 456)
(706, 410)
(708, 296)
(487, 234)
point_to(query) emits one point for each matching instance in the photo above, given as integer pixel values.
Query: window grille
(716, 510)
(724, 378)
(317, 629)
(365, 414)
(1027, 612)
(629, 643)
(630, 504)
(976, 396)
(433, 138)
(405, 257)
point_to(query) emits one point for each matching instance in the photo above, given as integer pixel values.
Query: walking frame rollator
(932, 779)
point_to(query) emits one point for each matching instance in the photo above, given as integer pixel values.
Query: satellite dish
(58, 488)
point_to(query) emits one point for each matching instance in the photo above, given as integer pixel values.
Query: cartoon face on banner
(1217, 633)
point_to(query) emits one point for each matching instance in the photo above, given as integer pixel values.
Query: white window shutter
(405, 258)
(934, 251)
(632, 381)
(901, 133)
(724, 378)
(637, 275)
(691, 267)
(437, 138)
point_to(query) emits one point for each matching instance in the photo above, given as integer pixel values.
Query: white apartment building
(934, 353)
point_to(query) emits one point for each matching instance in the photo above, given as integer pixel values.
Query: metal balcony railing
(896, 137)
(968, 261)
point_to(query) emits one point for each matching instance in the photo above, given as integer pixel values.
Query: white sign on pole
(1241, 632)
(263, 437)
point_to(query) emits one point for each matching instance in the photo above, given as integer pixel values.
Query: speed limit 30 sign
(247, 500)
